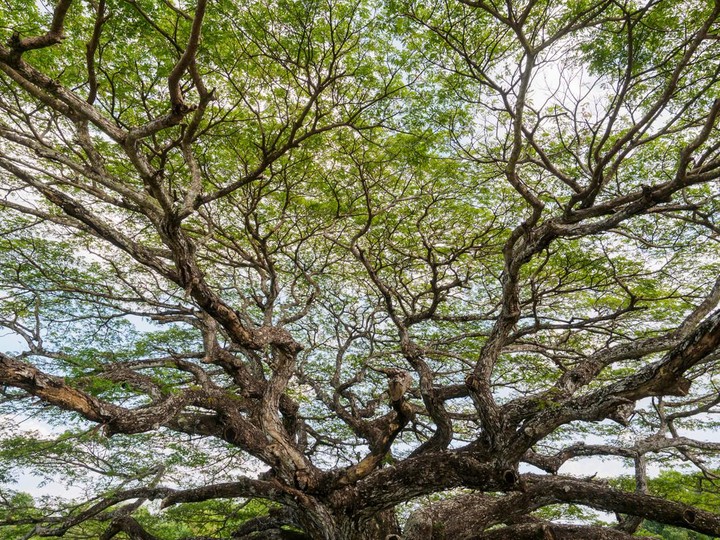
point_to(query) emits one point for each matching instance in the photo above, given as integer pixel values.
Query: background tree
(692, 489)
(373, 264)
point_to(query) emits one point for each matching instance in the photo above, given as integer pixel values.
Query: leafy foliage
(332, 269)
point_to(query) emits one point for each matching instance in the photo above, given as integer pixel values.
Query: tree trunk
(322, 524)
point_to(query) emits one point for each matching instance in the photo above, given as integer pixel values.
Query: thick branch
(554, 489)
(51, 37)
(176, 99)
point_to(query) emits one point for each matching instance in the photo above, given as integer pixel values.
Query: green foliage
(667, 532)
(17, 508)
(520, 191)
(689, 488)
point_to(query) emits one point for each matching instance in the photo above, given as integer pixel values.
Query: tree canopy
(338, 269)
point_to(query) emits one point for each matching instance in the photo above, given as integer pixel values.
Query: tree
(687, 488)
(372, 264)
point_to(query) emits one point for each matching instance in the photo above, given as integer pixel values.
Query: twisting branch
(51, 37)
(188, 57)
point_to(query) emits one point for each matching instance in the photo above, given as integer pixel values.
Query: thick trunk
(322, 524)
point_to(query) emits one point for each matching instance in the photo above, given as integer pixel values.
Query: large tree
(390, 268)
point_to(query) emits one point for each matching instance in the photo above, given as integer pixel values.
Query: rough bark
(382, 350)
